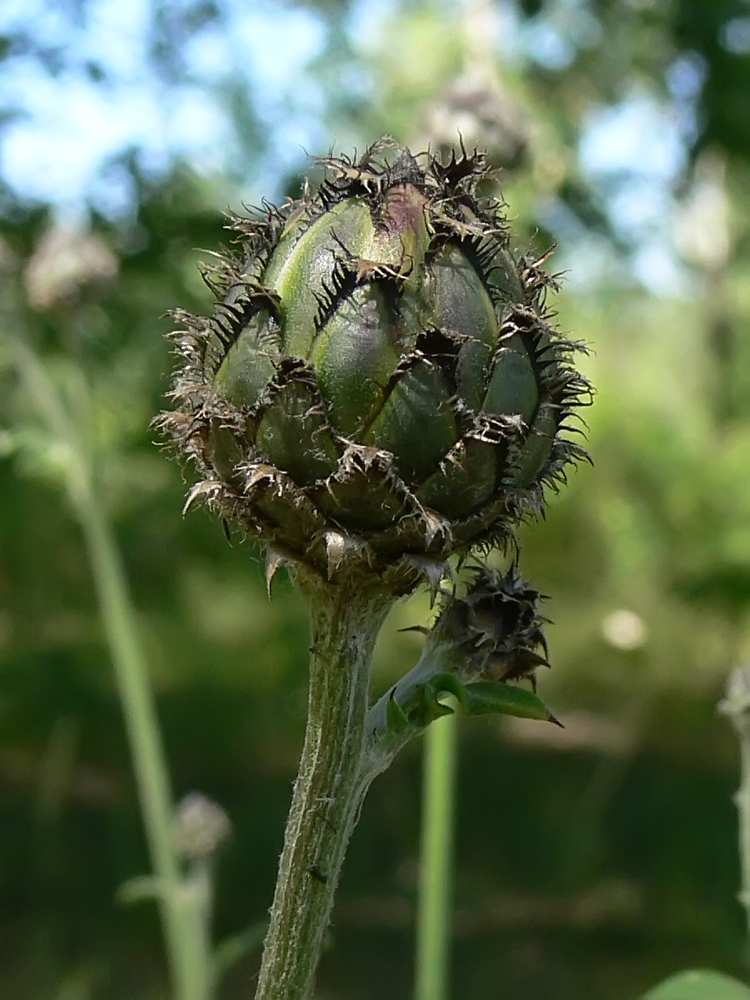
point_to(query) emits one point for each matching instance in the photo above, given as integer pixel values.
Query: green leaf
(446, 684)
(479, 698)
(397, 718)
(139, 888)
(233, 949)
(699, 984)
(485, 697)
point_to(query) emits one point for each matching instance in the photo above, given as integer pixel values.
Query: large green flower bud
(379, 379)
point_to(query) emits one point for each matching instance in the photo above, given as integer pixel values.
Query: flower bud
(380, 369)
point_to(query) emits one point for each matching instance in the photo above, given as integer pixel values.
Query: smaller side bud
(497, 626)
(481, 641)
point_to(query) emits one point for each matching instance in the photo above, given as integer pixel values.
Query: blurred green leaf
(138, 889)
(699, 984)
(233, 949)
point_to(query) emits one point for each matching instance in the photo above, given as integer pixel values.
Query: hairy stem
(330, 785)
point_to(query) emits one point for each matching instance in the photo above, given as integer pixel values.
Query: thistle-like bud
(379, 379)
(497, 626)
(492, 635)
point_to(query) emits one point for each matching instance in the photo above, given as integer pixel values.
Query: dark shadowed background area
(590, 860)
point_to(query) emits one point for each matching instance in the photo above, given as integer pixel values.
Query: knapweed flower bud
(379, 379)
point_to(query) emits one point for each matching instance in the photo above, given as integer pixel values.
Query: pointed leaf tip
(397, 719)
(496, 697)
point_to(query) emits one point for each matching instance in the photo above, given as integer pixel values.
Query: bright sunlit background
(590, 860)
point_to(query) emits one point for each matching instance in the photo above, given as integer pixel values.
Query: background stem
(736, 705)
(146, 749)
(331, 783)
(131, 674)
(438, 806)
(743, 806)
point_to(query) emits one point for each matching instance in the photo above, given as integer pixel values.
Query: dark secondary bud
(498, 626)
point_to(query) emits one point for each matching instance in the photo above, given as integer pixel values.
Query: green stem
(330, 786)
(433, 916)
(743, 806)
(383, 744)
(736, 705)
(149, 762)
(197, 887)
(131, 673)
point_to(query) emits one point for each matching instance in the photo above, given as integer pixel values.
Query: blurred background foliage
(590, 860)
